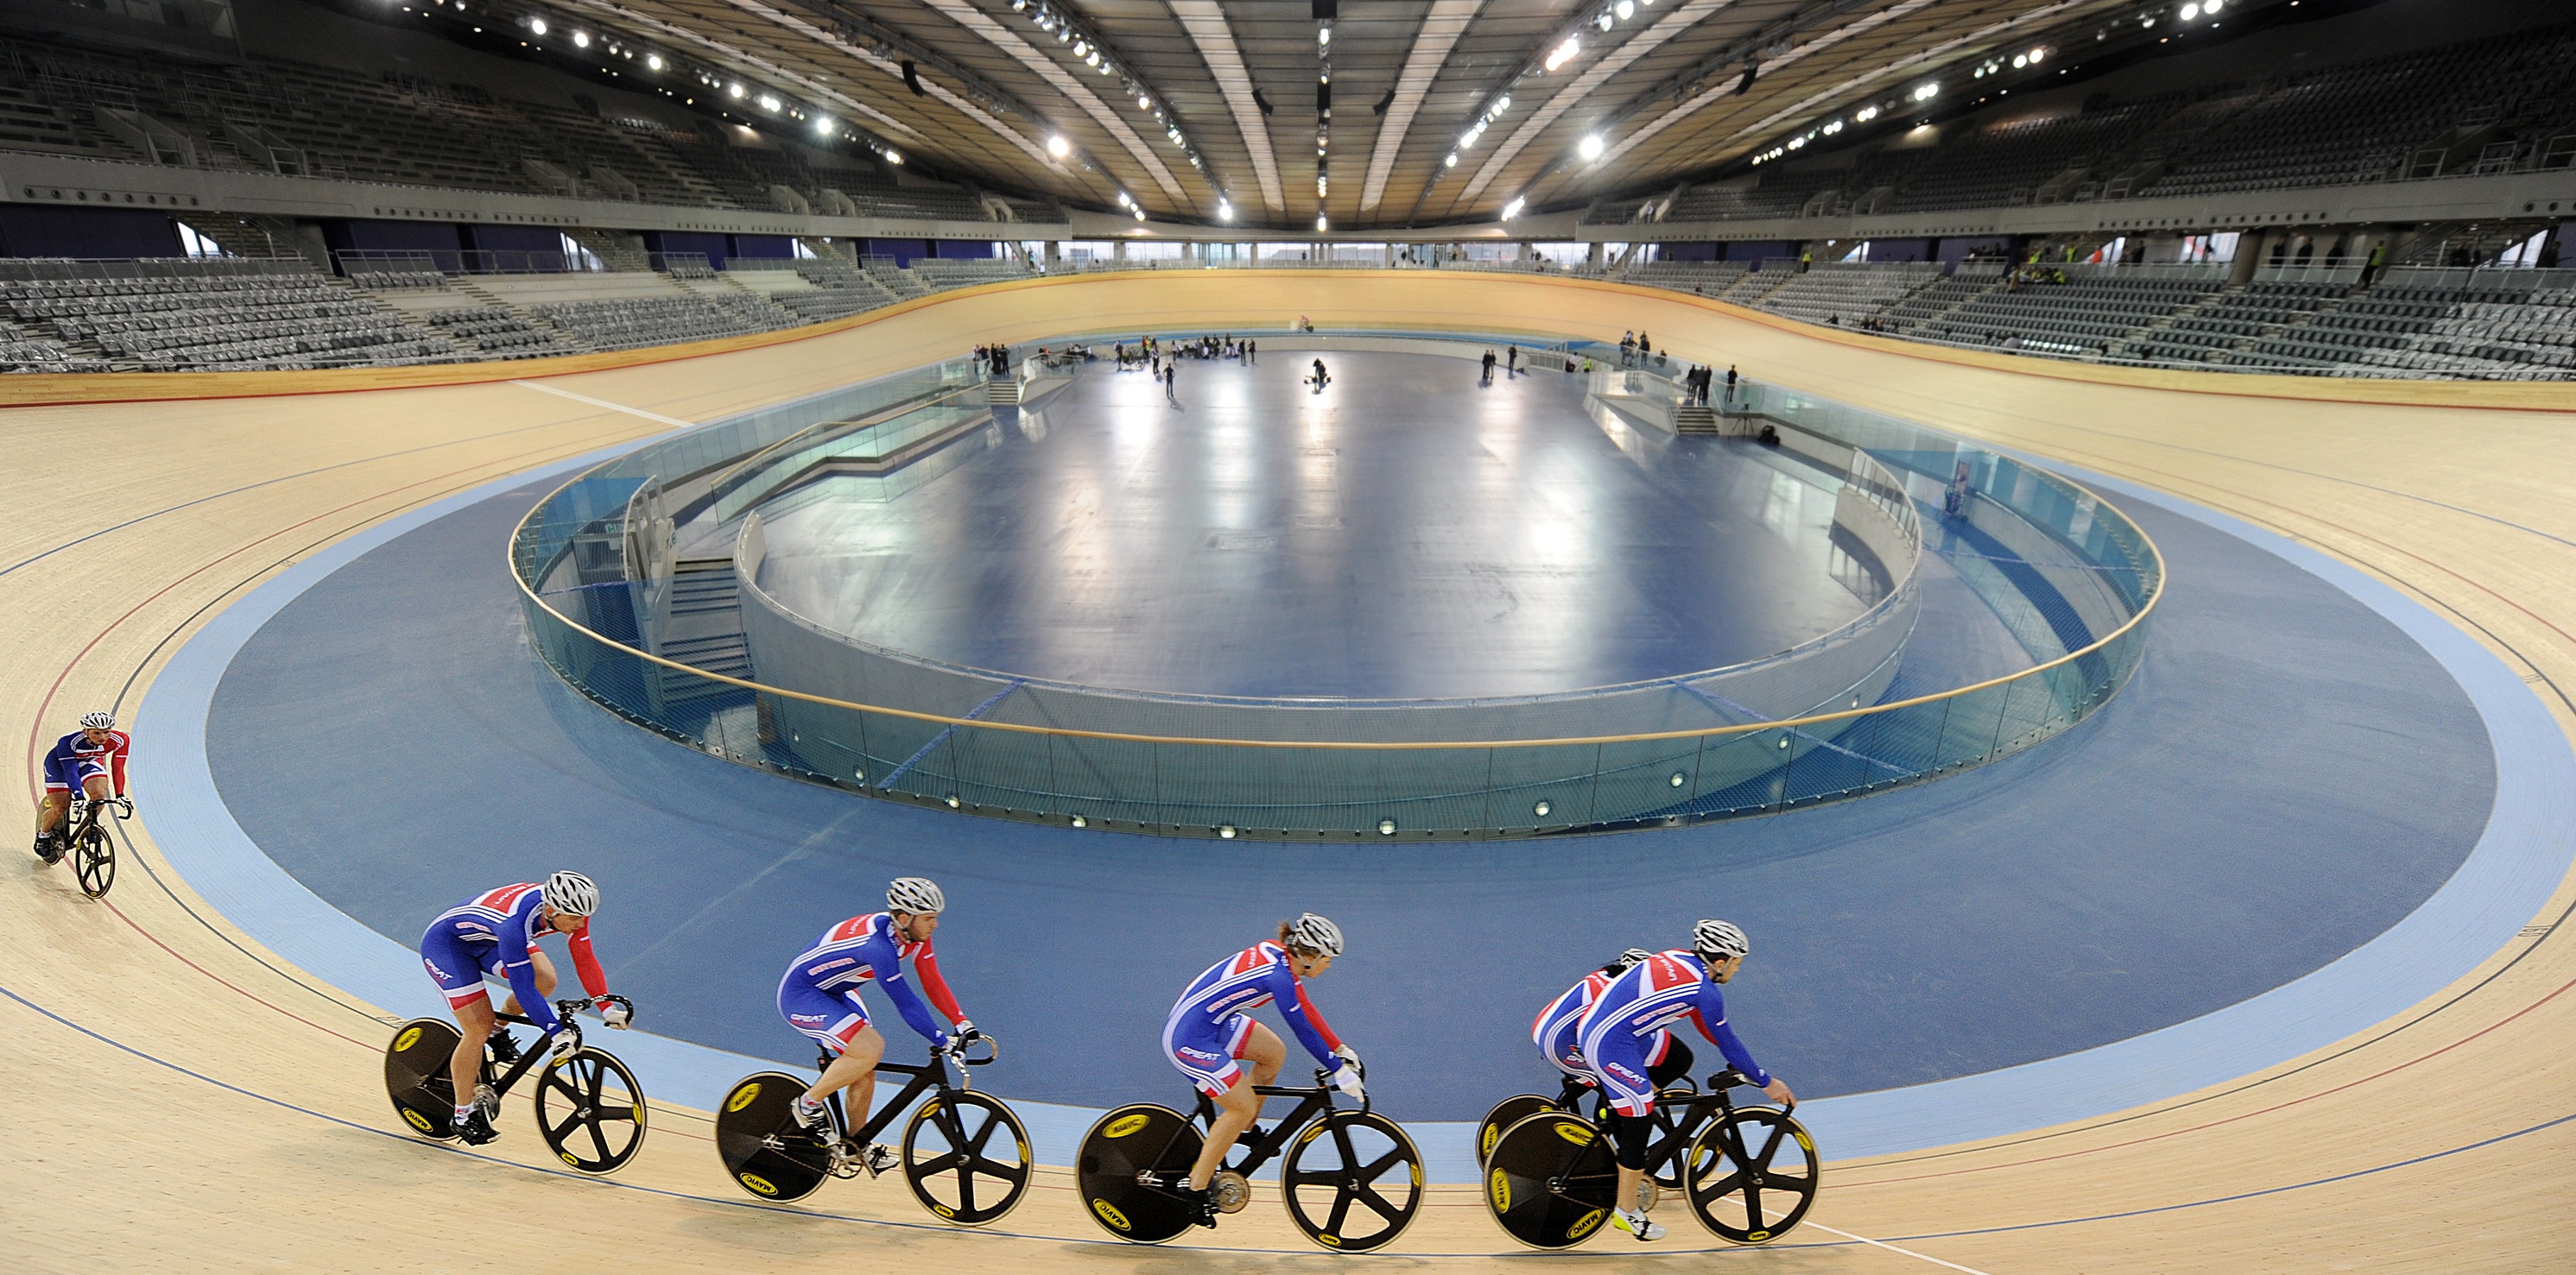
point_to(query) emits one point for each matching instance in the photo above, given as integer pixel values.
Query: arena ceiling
(1245, 112)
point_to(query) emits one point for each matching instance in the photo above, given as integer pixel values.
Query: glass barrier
(1025, 750)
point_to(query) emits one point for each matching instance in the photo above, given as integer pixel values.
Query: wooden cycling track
(180, 1095)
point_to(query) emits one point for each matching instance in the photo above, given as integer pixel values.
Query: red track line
(183, 960)
(2212, 1124)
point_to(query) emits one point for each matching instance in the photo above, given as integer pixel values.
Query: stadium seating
(179, 315)
(1845, 294)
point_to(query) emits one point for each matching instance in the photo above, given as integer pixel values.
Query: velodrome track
(180, 1094)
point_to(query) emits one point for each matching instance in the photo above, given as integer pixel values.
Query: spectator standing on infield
(1488, 377)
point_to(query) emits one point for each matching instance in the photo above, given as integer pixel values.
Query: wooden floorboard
(182, 1097)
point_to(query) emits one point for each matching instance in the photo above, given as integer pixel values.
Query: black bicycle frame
(528, 1057)
(930, 1075)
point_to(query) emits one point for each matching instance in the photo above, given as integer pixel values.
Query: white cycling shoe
(1637, 1224)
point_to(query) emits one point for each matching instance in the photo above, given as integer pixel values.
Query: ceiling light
(823, 125)
(654, 62)
(1224, 210)
(1564, 53)
(1125, 201)
(537, 26)
(581, 39)
(1144, 103)
(2037, 54)
(1591, 147)
(1864, 115)
(1926, 92)
(736, 90)
(1626, 9)
(1513, 209)
(2211, 7)
(1081, 47)
(1320, 223)
(2190, 11)
(1451, 162)
(1140, 214)
(1605, 19)
(894, 157)
(1502, 104)
(2020, 60)
(1323, 35)
(1059, 147)
(1093, 58)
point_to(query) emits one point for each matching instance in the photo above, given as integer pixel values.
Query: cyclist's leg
(839, 1023)
(1619, 1063)
(855, 1072)
(474, 1023)
(1671, 1061)
(53, 811)
(458, 970)
(1239, 1103)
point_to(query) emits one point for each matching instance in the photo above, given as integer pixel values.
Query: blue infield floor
(2288, 776)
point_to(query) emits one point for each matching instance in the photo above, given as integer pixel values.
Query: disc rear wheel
(591, 1111)
(1508, 1112)
(1754, 1175)
(1551, 1180)
(966, 1158)
(416, 1077)
(1352, 1181)
(764, 1150)
(1138, 1141)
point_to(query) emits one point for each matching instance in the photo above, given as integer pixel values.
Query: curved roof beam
(683, 35)
(1205, 21)
(1672, 23)
(1065, 82)
(1707, 96)
(1440, 31)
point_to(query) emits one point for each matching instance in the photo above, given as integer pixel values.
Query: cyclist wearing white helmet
(1210, 1030)
(88, 764)
(495, 934)
(819, 996)
(1623, 1034)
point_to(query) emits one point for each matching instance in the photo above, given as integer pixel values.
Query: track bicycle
(1352, 1180)
(86, 842)
(589, 1109)
(1551, 1179)
(947, 1151)
(1674, 1118)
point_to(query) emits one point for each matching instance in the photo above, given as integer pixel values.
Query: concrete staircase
(704, 631)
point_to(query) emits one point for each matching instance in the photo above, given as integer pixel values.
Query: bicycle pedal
(1231, 1191)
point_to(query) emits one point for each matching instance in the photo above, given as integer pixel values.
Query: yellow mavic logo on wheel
(1756, 1237)
(1124, 1125)
(1575, 1131)
(928, 1109)
(418, 1121)
(742, 1097)
(1801, 1136)
(943, 1210)
(1110, 1214)
(1500, 1188)
(569, 1158)
(409, 1038)
(1492, 1136)
(1586, 1224)
(1329, 1241)
(758, 1184)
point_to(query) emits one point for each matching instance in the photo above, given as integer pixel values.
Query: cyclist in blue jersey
(1622, 1035)
(1210, 1032)
(819, 996)
(1553, 1031)
(495, 933)
(86, 765)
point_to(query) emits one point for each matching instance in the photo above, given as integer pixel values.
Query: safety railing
(1022, 750)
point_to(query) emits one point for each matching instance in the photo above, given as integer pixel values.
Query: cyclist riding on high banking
(819, 995)
(1209, 1030)
(1623, 1033)
(1553, 1031)
(495, 933)
(88, 764)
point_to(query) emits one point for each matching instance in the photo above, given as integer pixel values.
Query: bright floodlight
(1451, 162)
(1513, 209)
(1124, 200)
(1591, 147)
(537, 26)
(894, 157)
(736, 90)
(823, 125)
(654, 61)
(1626, 9)
(1320, 223)
(1926, 92)
(2190, 11)
(2037, 54)
(1224, 211)
(581, 39)
(1059, 147)
(1144, 103)
(1564, 53)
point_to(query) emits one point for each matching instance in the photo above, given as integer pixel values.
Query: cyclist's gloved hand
(966, 1031)
(1347, 1054)
(125, 807)
(614, 1013)
(1347, 1079)
(566, 1039)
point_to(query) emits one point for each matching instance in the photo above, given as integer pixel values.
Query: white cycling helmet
(1714, 940)
(98, 721)
(572, 893)
(1312, 933)
(916, 895)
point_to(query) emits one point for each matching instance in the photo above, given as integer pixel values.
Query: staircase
(704, 631)
(1695, 418)
(1002, 391)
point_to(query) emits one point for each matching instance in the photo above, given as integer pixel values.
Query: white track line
(1894, 1249)
(672, 421)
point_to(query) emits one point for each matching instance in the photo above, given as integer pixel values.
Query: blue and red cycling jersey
(496, 933)
(1209, 1023)
(74, 759)
(1554, 1030)
(819, 994)
(1624, 1027)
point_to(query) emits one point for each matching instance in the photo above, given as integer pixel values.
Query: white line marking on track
(672, 421)
(1894, 1249)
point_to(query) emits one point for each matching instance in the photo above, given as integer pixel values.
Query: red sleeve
(925, 970)
(117, 761)
(1702, 1024)
(1322, 1028)
(594, 980)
